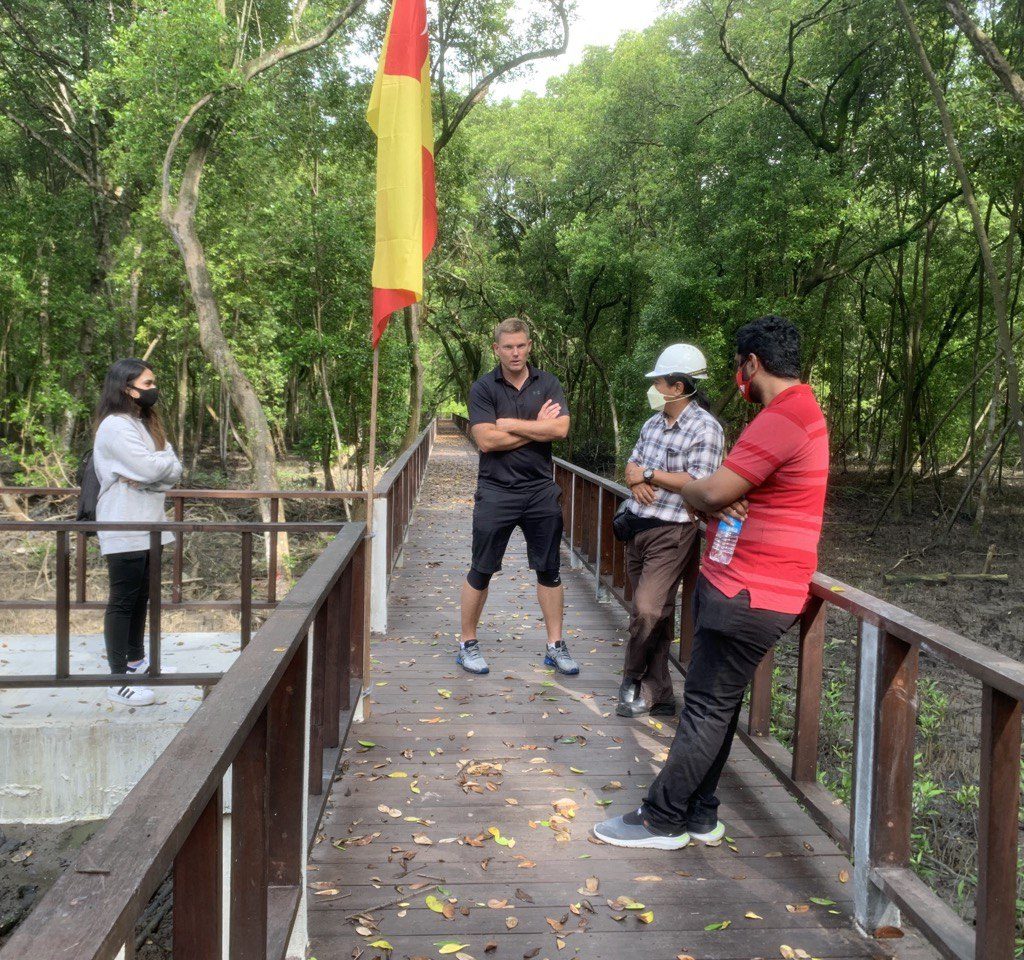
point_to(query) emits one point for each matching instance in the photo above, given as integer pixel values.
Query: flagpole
(371, 485)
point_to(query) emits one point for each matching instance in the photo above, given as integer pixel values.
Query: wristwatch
(648, 474)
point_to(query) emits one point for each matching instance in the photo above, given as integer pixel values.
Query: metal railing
(876, 829)
(253, 723)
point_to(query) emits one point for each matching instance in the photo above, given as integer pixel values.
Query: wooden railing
(876, 829)
(394, 497)
(62, 603)
(253, 723)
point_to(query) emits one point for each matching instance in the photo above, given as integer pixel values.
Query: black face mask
(148, 398)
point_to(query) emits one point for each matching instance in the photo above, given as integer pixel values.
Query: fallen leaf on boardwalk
(559, 943)
(797, 908)
(497, 904)
(511, 923)
(364, 931)
(721, 925)
(390, 811)
(382, 945)
(449, 946)
(329, 892)
(647, 878)
(21, 856)
(512, 801)
(555, 925)
(576, 770)
(524, 896)
(531, 954)
(565, 807)
(788, 952)
(398, 775)
(603, 803)
(499, 839)
(592, 885)
(612, 785)
(844, 876)
(524, 864)
(823, 901)
(463, 956)
(414, 786)
(750, 915)
(422, 839)
(888, 933)
(447, 694)
(683, 956)
(490, 946)
(367, 744)
(646, 917)
(435, 904)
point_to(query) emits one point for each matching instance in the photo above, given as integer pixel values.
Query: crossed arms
(722, 492)
(507, 433)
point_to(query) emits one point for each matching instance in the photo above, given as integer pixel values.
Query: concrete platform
(72, 754)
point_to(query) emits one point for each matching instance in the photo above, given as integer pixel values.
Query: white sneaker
(141, 667)
(132, 696)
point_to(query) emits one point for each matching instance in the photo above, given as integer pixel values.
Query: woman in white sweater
(135, 466)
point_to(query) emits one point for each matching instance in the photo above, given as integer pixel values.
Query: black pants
(729, 642)
(124, 624)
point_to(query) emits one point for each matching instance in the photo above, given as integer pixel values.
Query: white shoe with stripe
(131, 696)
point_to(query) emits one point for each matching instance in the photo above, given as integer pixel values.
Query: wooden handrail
(255, 720)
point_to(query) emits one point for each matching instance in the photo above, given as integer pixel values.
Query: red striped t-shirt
(784, 453)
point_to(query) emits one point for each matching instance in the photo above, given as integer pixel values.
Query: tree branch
(986, 48)
(480, 90)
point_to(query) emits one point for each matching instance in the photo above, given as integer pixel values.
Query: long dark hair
(115, 399)
(697, 395)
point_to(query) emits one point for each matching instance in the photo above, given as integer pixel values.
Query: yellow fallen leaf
(750, 915)
(646, 917)
(434, 904)
(382, 945)
(647, 878)
(446, 948)
(398, 775)
(329, 892)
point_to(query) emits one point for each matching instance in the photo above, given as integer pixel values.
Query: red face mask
(743, 384)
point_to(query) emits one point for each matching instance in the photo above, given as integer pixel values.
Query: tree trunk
(180, 221)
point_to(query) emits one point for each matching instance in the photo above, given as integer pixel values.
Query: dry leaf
(788, 952)
(497, 904)
(797, 908)
(511, 923)
(648, 878)
(750, 915)
(844, 876)
(422, 839)
(888, 933)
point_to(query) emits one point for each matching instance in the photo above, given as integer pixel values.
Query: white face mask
(656, 399)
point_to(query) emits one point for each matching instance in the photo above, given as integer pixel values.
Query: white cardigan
(124, 449)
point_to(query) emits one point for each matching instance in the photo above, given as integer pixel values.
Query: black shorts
(498, 511)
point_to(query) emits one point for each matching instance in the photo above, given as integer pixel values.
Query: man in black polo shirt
(515, 412)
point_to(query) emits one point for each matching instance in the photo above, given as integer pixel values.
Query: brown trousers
(655, 563)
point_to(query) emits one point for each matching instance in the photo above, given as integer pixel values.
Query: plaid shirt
(694, 444)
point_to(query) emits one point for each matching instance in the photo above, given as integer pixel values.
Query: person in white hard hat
(681, 443)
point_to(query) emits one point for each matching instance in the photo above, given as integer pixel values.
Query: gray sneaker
(559, 657)
(629, 830)
(471, 659)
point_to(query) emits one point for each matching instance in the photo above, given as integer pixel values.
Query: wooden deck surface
(410, 817)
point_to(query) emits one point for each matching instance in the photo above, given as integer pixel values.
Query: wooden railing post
(808, 691)
(342, 607)
(329, 625)
(245, 576)
(360, 654)
(997, 825)
(872, 909)
(198, 888)
(275, 512)
(574, 559)
(63, 630)
(81, 556)
(608, 505)
(286, 737)
(759, 716)
(179, 551)
(247, 939)
(380, 558)
(155, 556)
(317, 696)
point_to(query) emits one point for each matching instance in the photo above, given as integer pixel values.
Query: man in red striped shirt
(774, 479)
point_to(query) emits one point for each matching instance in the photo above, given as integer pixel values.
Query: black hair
(690, 385)
(775, 341)
(114, 398)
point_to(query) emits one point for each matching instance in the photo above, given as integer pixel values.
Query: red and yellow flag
(400, 116)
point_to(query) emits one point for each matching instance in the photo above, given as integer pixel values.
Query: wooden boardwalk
(455, 756)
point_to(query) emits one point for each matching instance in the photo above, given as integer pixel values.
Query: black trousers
(729, 642)
(124, 624)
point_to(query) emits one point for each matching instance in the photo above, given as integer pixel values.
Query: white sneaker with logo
(131, 696)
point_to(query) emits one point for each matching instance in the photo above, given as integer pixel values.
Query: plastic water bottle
(725, 540)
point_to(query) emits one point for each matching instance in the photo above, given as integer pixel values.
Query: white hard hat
(681, 358)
